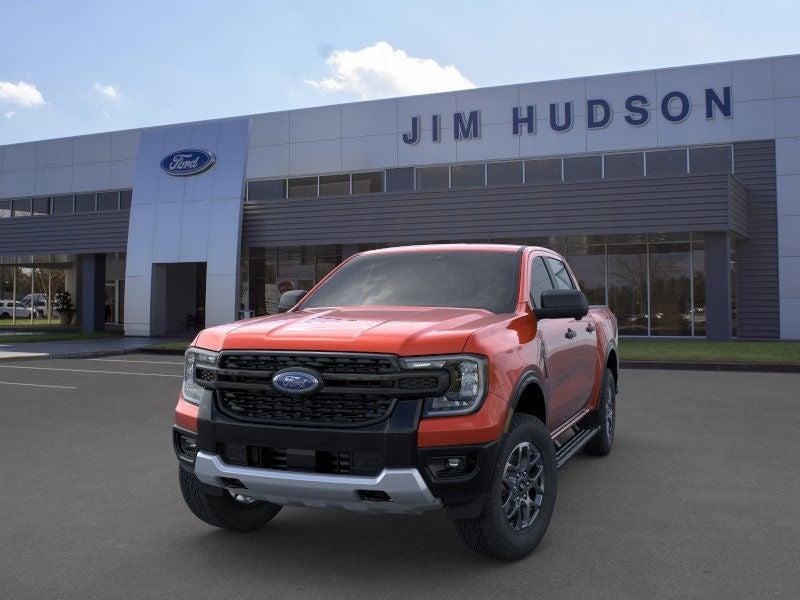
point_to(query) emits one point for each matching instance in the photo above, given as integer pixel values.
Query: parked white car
(12, 308)
(40, 306)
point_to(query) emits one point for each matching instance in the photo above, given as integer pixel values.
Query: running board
(567, 450)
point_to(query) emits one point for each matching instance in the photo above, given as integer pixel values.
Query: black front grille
(321, 409)
(324, 363)
(288, 459)
(356, 390)
(204, 375)
(420, 383)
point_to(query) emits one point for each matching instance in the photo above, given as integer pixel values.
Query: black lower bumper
(360, 450)
(459, 492)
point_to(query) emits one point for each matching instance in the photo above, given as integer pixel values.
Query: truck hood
(392, 330)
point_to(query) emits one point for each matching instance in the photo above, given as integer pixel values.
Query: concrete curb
(61, 355)
(711, 366)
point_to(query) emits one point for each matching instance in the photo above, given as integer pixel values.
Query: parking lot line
(42, 385)
(147, 362)
(89, 371)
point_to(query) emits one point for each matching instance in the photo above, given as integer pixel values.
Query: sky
(85, 66)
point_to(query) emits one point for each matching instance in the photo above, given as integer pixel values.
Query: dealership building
(674, 194)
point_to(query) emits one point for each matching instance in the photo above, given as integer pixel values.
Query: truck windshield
(486, 280)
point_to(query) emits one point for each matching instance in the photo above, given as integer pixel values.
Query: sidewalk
(79, 348)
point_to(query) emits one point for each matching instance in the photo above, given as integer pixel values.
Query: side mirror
(289, 299)
(559, 304)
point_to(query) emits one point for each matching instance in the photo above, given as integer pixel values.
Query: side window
(561, 277)
(540, 281)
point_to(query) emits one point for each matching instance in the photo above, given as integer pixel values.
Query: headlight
(195, 357)
(468, 376)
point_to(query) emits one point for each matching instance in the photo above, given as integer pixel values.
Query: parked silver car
(14, 308)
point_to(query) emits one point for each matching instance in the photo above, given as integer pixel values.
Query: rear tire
(604, 416)
(225, 511)
(507, 528)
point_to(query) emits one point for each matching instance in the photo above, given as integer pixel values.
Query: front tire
(225, 512)
(522, 497)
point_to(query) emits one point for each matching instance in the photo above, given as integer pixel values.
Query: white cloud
(109, 91)
(380, 71)
(20, 93)
(10, 114)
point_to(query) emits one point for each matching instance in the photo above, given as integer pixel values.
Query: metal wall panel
(757, 257)
(70, 234)
(740, 206)
(641, 205)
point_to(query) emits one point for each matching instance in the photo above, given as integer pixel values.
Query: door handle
(590, 327)
(570, 334)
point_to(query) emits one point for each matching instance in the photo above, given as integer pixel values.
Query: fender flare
(612, 347)
(528, 376)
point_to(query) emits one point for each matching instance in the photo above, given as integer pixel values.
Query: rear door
(583, 344)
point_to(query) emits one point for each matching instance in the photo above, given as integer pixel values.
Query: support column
(158, 300)
(718, 286)
(93, 292)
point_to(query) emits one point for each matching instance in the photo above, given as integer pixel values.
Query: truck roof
(449, 248)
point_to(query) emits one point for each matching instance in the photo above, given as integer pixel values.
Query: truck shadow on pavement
(340, 543)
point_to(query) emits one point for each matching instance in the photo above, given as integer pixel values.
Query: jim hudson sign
(674, 107)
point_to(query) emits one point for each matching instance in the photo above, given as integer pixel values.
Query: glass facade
(468, 175)
(581, 168)
(711, 159)
(367, 183)
(504, 173)
(627, 164)
(654, 284)
(670, 289)
(663, 163)
(400, 180)
(430, 179)
(20, 208)
(34, 289)
(44, 290)
(303, 187)
(627, 286)
(268, 272)
(546, 170)
(334, 185)
(585, 167)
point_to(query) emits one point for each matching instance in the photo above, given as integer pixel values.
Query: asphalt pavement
(700, 498)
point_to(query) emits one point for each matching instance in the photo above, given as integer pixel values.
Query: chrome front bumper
(405, 487)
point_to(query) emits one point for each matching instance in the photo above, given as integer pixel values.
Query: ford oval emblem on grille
(295, 381)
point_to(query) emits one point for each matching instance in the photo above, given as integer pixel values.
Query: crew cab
(456, 377)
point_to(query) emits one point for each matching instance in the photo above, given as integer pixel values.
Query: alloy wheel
(523, 483)
(610, 411)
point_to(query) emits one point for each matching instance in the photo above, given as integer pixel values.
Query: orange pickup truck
(409, 379)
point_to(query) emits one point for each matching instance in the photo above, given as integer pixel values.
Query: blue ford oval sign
(295, 382)
(187, 162)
